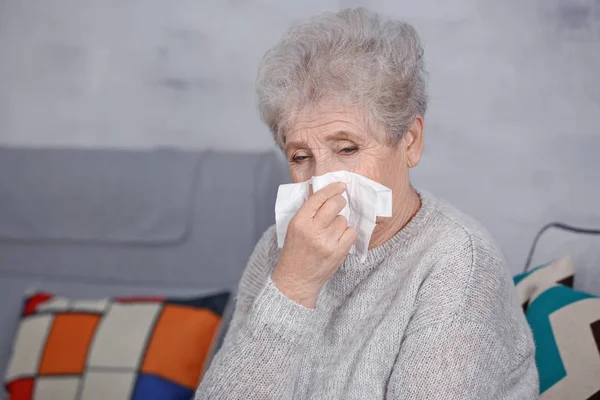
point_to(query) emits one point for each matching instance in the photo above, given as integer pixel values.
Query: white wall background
(513, 132)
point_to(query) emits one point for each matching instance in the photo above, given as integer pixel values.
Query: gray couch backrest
(96, 223)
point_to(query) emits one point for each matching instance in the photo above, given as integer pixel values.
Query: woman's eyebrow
(342, 135)
(294, 144)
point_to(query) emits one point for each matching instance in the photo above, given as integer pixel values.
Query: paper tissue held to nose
(365, 201)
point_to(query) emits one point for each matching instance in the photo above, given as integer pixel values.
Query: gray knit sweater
(431, 314)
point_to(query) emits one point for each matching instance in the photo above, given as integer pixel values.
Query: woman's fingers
(330, 210)
(314, 202)
(338, 226)
(317, 241)
(348, 238)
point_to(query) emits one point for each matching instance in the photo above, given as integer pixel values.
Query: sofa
(95, 223)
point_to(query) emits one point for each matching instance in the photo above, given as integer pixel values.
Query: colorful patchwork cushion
(114, 348)
(566, 329)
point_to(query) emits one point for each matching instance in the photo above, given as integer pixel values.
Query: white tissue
(366, 200)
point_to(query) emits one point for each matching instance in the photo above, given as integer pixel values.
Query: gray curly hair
(353, 57)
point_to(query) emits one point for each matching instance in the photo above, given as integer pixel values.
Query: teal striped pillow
(542, 277)
(566, 328)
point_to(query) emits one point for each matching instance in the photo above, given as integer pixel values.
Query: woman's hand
(316, 244)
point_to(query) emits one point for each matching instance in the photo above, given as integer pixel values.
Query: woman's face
(329, 139)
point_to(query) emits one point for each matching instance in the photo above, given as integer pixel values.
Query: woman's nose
(323, 167)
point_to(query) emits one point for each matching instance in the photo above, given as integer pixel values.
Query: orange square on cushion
(68, 343)
(179, 344)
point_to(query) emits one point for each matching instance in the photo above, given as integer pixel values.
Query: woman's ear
(414, 142)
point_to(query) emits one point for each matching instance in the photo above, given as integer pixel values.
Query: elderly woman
(431, 312)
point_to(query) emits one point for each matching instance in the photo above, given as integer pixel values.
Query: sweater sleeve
(459, 359)
(261, 353)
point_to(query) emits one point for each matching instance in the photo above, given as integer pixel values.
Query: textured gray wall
(513, 132)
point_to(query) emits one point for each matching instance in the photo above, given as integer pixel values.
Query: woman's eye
(299, 158)
(348, 150)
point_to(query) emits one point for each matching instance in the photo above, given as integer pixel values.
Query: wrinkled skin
(326, 139)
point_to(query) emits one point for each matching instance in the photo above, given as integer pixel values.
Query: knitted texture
(431, 314)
